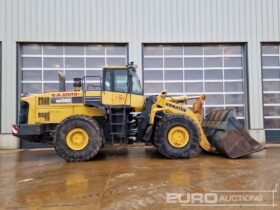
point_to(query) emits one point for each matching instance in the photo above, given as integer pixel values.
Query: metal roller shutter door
(218, 70)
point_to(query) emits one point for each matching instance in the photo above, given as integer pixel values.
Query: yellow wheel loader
(113, 110)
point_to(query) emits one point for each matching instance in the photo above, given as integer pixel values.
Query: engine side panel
(52, 108)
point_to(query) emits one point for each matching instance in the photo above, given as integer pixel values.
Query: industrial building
(227, 49)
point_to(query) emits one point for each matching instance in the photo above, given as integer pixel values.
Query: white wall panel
(136, 22)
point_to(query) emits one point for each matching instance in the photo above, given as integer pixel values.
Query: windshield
(136, 85)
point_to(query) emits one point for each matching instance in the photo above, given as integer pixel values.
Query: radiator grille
(43, 101)
(44, 115)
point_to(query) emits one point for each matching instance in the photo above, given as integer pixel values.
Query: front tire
(177, 136)
(78, 138)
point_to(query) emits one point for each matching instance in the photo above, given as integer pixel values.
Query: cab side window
(116, 80)
(120, 81)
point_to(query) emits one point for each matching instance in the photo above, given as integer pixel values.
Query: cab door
(121, 87)
(115, 87)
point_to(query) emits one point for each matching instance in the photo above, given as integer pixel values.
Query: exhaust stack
(61, 78)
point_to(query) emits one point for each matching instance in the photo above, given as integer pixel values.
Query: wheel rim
(178, 137)
(77, 139)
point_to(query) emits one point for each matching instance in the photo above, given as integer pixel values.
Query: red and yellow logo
(119, 98)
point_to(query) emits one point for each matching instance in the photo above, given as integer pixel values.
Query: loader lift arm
(170, 105)
(220, 132)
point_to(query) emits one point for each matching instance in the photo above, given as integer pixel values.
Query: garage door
(216, 70)
(40, 64)
(271, 90)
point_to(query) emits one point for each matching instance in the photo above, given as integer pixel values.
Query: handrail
(85, 86)
(84, 81)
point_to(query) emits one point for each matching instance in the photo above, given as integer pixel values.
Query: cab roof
(115, 67)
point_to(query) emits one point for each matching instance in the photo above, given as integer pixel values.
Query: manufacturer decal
(61, 100)
(176, 107)
(66, 100)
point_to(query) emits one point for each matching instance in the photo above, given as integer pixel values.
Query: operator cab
(121, 87)
(122, 79)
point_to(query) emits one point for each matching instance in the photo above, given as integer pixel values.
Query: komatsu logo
(176, 107)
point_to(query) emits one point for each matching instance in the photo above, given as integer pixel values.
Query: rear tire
(190, 131)
(86, 130)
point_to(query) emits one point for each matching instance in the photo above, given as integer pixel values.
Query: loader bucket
(228, 136)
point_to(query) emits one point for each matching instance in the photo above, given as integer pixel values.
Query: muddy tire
(78, 138)
(190, 131)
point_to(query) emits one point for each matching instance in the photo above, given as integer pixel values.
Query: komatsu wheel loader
(113, 110)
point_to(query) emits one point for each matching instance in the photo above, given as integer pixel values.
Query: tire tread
(65, 153)
(160, 140)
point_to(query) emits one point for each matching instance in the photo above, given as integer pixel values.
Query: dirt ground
(137, 177)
